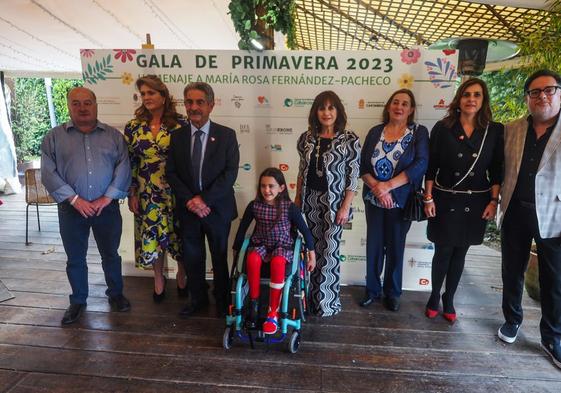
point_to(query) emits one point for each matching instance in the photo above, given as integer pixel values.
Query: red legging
(277, 278)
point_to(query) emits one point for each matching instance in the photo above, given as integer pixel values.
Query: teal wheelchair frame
(295, 288)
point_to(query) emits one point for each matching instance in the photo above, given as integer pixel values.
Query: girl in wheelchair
(272, 240)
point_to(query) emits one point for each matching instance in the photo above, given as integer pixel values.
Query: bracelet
(73, 201)
(427, 197)
(495, 200)
(427, 201)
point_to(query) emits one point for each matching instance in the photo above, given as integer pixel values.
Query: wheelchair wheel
(294, 342)
(228, 338)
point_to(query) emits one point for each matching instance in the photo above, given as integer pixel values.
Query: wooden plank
(385, 381)
(187, 368)
(9, 378)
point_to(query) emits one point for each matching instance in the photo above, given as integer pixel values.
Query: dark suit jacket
(413, 162)
(219, 171)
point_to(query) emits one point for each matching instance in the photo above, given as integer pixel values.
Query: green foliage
(30, 117)
(278, 14)
(60, 90)
(543, 47)
(542, 50)
(30, 113)
(506, 89)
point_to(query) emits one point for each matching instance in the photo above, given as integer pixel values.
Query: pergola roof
(43, 37)
(375, 24)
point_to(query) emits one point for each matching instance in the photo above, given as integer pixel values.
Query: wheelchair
(292, 310)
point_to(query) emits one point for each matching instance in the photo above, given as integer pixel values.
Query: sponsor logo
(237, 100)
(262, 102)
(276, 147)
(277, 130)
(441, 105)
(412, 262)
(244, 129)
(361, 103)
(283, 167)
(298, 102)
(424, 281)
(352, 258)
(246, 167)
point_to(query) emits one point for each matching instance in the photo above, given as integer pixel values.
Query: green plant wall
(30, 113)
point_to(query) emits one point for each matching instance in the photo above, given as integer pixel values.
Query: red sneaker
(271, 324)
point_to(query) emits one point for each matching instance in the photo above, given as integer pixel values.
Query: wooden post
(148, 44)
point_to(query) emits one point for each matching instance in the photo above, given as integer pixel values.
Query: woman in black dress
(462, 186)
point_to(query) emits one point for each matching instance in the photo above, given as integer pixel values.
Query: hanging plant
(277, 14)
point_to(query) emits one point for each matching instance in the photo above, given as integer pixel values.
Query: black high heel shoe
(159, 297)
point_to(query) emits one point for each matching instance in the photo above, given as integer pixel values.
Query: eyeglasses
(548, 91)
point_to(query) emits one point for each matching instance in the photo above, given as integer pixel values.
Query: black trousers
(520, 226)
(194, 232)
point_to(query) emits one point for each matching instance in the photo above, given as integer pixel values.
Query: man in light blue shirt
(85, 167)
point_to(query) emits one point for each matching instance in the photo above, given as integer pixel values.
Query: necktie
(196, 158)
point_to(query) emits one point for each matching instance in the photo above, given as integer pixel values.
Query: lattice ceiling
(363, 24)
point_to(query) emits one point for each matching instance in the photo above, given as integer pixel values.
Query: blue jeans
(75, 231)
(386, 231)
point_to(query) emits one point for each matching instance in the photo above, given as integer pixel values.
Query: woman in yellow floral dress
(150, 197)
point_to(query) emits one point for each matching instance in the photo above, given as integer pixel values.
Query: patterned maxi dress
(341, 166)
(155, 230)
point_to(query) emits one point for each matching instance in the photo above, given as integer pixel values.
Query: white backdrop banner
(266, 98)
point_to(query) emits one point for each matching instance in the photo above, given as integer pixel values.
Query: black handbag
(414, 209)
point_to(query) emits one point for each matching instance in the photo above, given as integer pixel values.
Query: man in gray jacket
(531, 210)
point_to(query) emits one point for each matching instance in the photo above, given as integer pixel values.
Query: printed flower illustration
(126, 78)
(124, 54)
(405, 81)
(87, 52)
(449, 52)
(442, 73)
(410, 56)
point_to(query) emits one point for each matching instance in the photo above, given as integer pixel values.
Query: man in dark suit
(201, 169)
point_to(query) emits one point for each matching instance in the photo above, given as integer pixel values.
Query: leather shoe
(119, 303)
(192, 308)
(367, 301)
(391, 303)
(73, 313)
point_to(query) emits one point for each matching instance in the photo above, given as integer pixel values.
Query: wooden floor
(150, 349)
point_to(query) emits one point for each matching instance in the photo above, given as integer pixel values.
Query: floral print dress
(155, 230)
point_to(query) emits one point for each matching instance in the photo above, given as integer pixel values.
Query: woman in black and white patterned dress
(327, 183)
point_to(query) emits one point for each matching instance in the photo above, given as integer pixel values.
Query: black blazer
(219, 171)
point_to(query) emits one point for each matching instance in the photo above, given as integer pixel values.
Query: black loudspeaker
(473, 53)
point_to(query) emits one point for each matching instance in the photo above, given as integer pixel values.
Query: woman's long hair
(484, 115)
(169, 116)
(322, 99)
(386, 111)
(276, 174)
